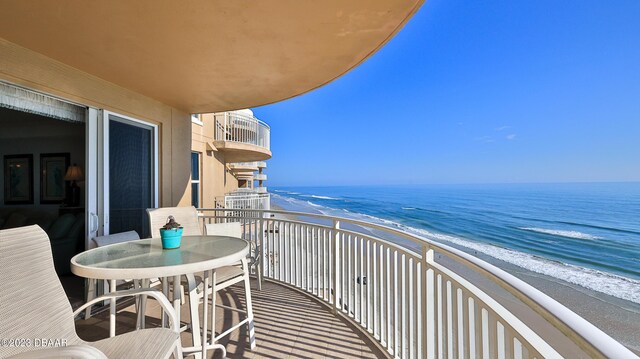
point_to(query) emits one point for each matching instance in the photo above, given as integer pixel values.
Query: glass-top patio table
(145, 259)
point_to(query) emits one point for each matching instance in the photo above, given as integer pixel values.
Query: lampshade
(74, 173)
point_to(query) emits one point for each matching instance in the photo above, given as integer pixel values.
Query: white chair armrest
(157, 295)
(71, 352)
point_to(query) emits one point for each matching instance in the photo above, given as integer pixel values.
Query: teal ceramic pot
(171, 238)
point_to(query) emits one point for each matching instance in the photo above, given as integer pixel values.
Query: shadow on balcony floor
(288, 325)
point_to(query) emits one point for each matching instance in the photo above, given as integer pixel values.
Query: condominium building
(228, 148)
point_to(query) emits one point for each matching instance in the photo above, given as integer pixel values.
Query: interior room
(42, 178)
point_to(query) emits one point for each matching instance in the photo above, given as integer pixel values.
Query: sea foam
(562, 233)
(320, 197)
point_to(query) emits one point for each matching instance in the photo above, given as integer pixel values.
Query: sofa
(66, 232)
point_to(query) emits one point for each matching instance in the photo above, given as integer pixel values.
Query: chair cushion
(61, 226)
(145, 343)
(15, 219)
(43, 222)
(77, 228)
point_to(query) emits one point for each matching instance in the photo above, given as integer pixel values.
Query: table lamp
(74, 173)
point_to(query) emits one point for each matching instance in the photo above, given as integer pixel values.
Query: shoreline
(617, 317)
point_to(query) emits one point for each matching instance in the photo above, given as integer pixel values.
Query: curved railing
(243, 165)
(238, 127)
(413, 296)
(243, 201)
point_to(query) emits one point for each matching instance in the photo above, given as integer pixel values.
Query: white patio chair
(188, 219)
(230, 229)
(234, 229)
(229, 275)
(101, 242)
(34, 305)
(225, 276)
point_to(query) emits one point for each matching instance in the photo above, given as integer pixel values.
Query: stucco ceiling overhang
(206, 55)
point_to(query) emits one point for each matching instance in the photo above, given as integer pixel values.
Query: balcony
(409, 296)
(241, 136)
(262, 164)
(287, 323)
(244, 200)
(244, 166)
(242, 191)
(260, 177)
(260, 189)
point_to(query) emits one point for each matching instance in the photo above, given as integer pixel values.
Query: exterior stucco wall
(26, 68)
(216, 179)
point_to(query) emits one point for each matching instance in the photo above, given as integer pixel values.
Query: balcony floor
(288, 325)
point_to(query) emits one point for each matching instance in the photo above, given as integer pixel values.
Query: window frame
(198, 181)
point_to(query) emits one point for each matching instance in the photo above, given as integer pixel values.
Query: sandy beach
(616, 317)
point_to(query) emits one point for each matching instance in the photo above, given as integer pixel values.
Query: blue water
(586, 234)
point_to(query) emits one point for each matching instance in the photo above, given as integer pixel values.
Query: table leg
(176, 296)
(144, 283)
(194, 301)
(213, 305)
(136, 285)
(165, 291)
(112, 310)
(205, 308)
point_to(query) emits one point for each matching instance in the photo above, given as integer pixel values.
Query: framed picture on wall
(18, 179)
(53, 167)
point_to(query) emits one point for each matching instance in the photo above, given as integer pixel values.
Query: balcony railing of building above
(242, 191)
(242, 128)
(244, 200)
(414, 297)
(245, 166)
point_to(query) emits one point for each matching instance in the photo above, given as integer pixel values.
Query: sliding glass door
(132, 179)
(126, 180)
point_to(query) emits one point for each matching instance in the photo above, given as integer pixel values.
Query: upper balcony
(260, 177)
(241, 136)
(244, 199)
(244, 166)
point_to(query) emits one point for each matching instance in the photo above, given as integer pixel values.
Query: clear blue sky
(476, 92)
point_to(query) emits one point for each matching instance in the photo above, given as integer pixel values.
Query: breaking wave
(320, 197)
(562, 233)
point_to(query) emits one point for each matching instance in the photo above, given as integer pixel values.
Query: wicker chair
(34, 305)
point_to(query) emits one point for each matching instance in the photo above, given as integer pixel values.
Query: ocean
(587, 234)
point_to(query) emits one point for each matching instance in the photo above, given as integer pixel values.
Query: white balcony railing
(244, 200)
(243, 165)
(421, 299)
(261, 189)
(260, 177)
(262, 164)
(242, 128)
(242, 191)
